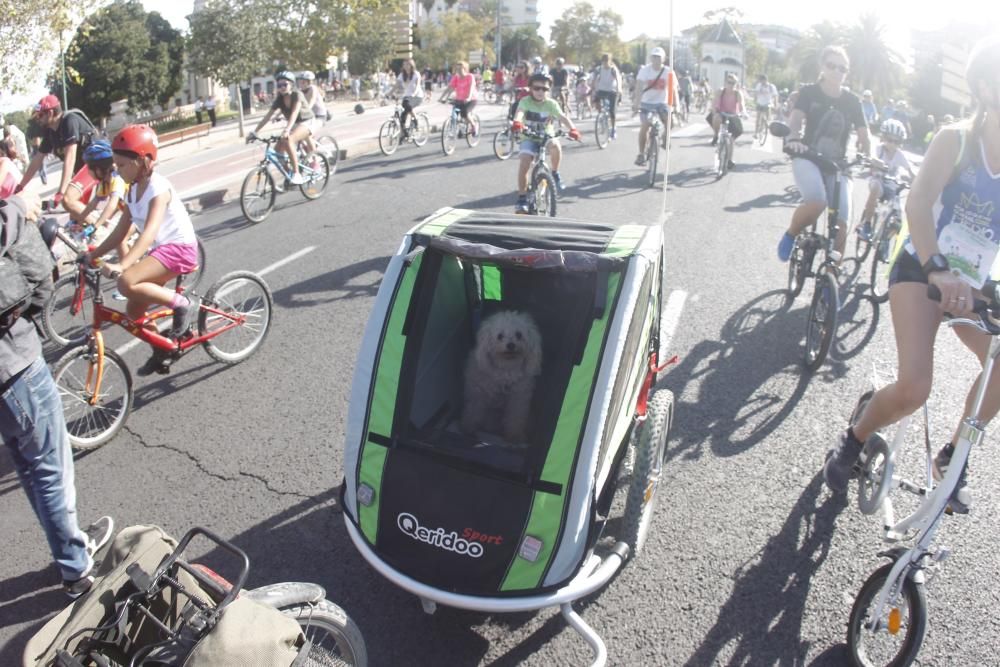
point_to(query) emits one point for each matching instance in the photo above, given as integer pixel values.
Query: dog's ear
(533, 349)
(483, 345)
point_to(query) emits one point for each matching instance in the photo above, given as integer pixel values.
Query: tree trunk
(239, 108)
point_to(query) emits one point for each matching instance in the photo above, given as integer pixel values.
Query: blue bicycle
(262, 185)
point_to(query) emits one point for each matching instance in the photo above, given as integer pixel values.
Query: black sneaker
(77, 587)
(159, 362)
(961, 499)
(99, 534)
(522, 206)
(840, 462)
(715, 141)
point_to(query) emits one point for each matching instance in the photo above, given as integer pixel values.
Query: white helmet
(308, 76)
(658, 51)
(893, 129)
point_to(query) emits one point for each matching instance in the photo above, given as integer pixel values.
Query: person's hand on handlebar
(251, 137)
(111, 270)
(517, 126)
(795, 145)
(574, 134)
(956, 294)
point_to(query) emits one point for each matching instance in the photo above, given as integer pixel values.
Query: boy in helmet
(655, 90)
(538, 113)
(889, 160)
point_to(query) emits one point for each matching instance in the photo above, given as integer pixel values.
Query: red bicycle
(95, 384)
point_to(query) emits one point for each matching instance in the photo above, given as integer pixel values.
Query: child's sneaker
(522, 205)
(558, 181)
(839, 468)
(118, 296)
(614, 133)
(296, 179)
(159, 362)
(182, 318)
(961, 499)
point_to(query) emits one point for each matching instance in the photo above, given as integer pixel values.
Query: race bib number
(970, 255)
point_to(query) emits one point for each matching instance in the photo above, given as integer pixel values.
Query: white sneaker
(296, 179)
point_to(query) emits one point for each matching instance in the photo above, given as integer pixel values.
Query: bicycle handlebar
(984, 309)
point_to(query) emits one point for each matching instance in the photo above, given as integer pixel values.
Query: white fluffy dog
(500, 375)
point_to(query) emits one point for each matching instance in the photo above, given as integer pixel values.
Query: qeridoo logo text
(437, 537)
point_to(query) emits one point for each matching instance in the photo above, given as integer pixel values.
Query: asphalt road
(750, 560)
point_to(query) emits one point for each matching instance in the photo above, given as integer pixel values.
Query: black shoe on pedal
(841, 462)
(961, 499)
(159, 362)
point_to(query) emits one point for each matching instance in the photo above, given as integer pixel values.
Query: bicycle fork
(95, 372)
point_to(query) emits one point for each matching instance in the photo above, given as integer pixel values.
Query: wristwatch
(936, 262)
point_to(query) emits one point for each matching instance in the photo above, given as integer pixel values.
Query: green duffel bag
(247, 633)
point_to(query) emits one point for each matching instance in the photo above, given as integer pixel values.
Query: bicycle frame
(137, 328)
(927, 517)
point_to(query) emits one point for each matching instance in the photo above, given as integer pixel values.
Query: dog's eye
(500, 336)
(517, 335)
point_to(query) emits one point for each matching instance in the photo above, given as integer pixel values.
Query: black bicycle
(390, 136)
(882, 235)
(825, 305)
(542, 192)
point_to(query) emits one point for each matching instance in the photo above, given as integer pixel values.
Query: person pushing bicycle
(538, 113)
(165, 230)
(953, 213)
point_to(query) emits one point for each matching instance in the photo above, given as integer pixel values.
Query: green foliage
(121, 52)
(229, 41)
(370, 38)
(451, 41)
(29, 37)
(582, 34)
(521, 43)
(755, 57)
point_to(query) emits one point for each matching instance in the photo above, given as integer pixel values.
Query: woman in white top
(408, 84)
(165, 230)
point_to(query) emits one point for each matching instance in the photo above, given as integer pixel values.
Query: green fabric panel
(625, 240)
(436, 225)
(383, 405)
(492, 285)
(547, 509)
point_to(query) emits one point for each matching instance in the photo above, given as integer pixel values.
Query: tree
(873, 64)
(229, 42)
(583, 34)
(30, 33)
(755, 56)
(521, 43)
(452, 40)
(370, 43)
(121, 52)
(804, 56)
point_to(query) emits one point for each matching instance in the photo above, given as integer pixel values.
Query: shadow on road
(741, 397)
(764, 613)
(338, 285)
(788, 198)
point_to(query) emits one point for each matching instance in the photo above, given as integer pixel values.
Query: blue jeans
(34, 430)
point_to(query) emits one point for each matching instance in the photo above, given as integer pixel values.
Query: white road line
(669, 319)
(164, 324)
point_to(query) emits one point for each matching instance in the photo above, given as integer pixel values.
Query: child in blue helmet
(109, 193)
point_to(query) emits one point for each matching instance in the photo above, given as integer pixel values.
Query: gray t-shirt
(20, 344)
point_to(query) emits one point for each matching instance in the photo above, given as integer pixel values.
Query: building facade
(722, 54)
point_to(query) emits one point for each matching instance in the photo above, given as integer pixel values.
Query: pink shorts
(177, 257)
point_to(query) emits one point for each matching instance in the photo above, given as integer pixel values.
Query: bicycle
(505, 142)
(259, 188)
(653, 145)
(94, 382)
(456, 126)
(724, 147)
(760, 132)
(889, 616)
(390, 134)
(67, 314)
(602, 124)
(583, 108)
(327, 146)
(885, 228)
(825, 304)
(542, 192)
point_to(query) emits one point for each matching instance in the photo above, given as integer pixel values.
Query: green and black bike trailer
(477, 524)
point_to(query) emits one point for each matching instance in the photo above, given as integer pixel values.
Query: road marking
(669, 319)
(163, 325)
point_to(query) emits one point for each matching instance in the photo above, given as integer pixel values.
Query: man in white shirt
(653, 87)
(765, 97)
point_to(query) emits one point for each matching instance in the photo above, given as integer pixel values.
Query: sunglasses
(833, 67)
(539, 89)
(284, 84)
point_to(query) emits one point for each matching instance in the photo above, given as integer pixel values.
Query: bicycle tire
(602, 129)
(876, 475)
(652, 156)
(650, 448)
(91, 426)
(916, 625)
(449, 133)
(317, 175)
(423, 130)
(719, 162)
(863, 246)
(388, 137)
(503, 144)
(472, 137)
(544, 189)
(257, 190)
(190, 281)
(822, 321)
(255, 307)
(62, 325)
(328, 147)
(335, 638)
(761, 131)
(882, 262)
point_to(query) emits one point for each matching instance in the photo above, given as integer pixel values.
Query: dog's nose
(511, 347)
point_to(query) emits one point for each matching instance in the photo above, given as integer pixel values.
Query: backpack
(87, 138)
(25, 269)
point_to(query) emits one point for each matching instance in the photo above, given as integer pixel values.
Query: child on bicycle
(582, 91)
(539, 113)
(891, 162)
(165, 230)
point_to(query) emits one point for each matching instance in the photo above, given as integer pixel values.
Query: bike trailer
(475, 522)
